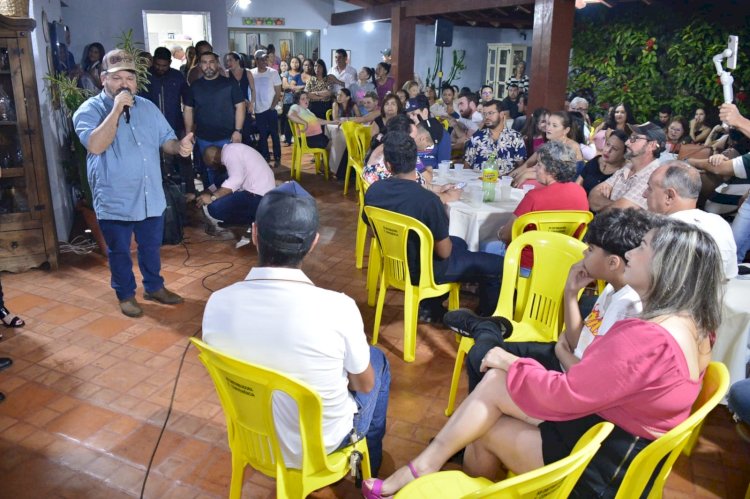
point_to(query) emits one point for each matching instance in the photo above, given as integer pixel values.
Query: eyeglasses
(635, 138)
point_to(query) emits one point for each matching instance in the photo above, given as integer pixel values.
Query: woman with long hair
(560, 128)
(431, 94)
(699, 129)
(391, 107)
(301, 114)
(643, 376)
(308, 70)
(91, 64)
(677, 134)
(535, 130)
(344, 106)
(619, 117)
(319, 90)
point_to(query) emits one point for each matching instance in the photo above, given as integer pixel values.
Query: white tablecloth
(338, 146)
(475, 222)
(732, 337)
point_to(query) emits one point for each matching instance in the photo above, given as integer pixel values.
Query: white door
(498, 64)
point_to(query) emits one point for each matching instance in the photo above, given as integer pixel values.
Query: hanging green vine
(650, 56)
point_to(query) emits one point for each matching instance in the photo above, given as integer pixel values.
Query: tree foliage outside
(648, 56)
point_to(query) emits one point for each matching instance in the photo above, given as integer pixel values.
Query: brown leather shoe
(164, 296)
(131, 308)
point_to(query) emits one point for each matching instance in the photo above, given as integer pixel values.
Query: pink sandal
(375, 490)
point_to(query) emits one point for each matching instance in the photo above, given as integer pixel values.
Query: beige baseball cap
(118, 60)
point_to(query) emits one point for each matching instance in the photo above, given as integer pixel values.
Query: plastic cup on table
(443, 168)
(505, 188)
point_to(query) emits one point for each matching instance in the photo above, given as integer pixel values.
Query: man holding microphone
(123, 134)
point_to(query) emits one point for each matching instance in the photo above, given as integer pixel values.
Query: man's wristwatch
(238, 130)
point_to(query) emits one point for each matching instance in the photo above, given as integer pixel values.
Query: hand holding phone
(460, 185)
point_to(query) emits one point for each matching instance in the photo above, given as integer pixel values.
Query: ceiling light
(308, 33)
(368, 26)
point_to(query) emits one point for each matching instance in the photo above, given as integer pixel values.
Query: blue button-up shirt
(126, 178)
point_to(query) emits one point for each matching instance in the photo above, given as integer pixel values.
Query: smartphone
(460, 185)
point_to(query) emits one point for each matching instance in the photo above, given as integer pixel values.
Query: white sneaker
(244, 241)
(212, 224)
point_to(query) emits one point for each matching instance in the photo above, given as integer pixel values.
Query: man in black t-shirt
(214, 111)
(511, 101)
(452, 261)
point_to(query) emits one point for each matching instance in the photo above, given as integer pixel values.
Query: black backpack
(174, 215)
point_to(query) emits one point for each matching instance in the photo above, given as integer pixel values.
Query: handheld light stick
(730, 54)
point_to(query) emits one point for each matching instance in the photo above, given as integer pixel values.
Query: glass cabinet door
(17, 183)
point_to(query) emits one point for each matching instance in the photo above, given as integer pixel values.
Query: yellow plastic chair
(301, 148)
(350, 130)
(446, 124)
(329, 115)
(669, 445)
(392, 231)
(537, 314)
(359, 248)
(364, 138)
(245, 391)
(554, 480)
(571, 223)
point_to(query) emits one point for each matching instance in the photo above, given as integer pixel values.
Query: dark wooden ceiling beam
(419, 8)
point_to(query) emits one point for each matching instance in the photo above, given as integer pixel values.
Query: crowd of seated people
(528, 404)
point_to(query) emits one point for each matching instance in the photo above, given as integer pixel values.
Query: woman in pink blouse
(643, 376)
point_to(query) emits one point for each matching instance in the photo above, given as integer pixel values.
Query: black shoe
(5, 363)
(464, 321)
(430, 315)
(2, 396)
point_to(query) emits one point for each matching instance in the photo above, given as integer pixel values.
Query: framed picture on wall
(333, 58)
(253, 43)
(285, 49)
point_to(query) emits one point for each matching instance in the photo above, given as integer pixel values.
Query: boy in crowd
(610, 235)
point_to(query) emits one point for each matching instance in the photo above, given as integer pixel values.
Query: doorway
(288, 43)
(175, 30)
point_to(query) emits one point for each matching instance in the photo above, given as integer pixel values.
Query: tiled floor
(89, 388)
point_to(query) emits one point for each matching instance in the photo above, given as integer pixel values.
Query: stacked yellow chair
(668, 446)
(350, 130)
(301, 148)
(245, 391)
(391, 232)
(552, 481)
(536, 314)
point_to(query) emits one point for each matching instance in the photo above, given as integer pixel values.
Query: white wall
(105, 20)
(52, 122)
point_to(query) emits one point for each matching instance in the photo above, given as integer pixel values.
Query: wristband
(238, 130)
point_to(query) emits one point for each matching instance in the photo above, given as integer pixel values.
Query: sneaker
(277, 163)
(164, 296)
(464, 321)
(244, 241)
(212, 227)
(430, 315)
(131, 308)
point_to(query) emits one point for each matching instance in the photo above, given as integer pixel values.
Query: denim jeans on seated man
(372, 407)
(148, 234)
(470, 266)
(741, 231)
(237, 208)
(738, 400)
(209, 176)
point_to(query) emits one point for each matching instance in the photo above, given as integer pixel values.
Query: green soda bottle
(490, 174)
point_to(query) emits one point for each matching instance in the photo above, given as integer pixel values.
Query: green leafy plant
(650, 56)
(454, 73)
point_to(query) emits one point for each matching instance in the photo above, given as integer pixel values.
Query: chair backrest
(541, 304)
(300, 137)
(571, 223)
(364, 138)
(555, 479)
(349, 129)
(392, 233)
(329, 114)
(361, 186)
(668, 446)
(245, 391)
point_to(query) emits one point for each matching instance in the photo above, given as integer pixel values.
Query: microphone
(126, 109)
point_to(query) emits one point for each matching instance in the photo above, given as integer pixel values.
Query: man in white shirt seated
(279, 319)
(470, 119)
(673, 190)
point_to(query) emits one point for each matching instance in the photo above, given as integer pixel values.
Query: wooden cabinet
(27, 226)
(501, 59)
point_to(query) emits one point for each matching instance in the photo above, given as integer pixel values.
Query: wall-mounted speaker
(443, 33)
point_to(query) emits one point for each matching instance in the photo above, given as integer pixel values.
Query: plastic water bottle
(490, 173)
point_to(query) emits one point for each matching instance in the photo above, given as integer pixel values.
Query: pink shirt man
(247, 170)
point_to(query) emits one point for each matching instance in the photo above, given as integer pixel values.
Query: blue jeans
(739, 400)
(268, 124)
(372, 408)
(472, 266)
(209, 175)
(148, 235)
(238, 208)
(741, 231)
